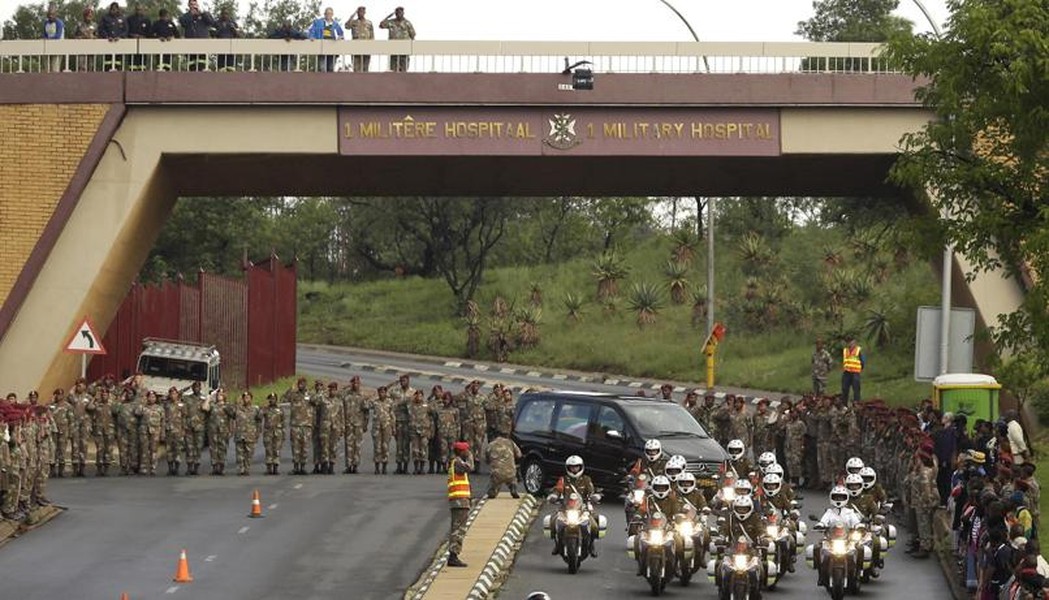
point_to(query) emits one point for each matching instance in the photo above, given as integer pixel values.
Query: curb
(502, 558)
(628, 384)
(418, 589)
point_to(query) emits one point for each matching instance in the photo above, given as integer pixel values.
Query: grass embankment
(417, 315)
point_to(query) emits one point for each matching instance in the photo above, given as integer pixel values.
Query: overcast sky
(598, 20)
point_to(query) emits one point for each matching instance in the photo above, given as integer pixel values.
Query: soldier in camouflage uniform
(924, 497)
(174, 430)
(502, 455)
(150, 428)
(301, 407)
(839, 424)
(434, 401)
(45, 455)
(491, 410)
(705, 414)
(794, 446)
(741, 425)
(65, 425)
(400, 29)
(81, 433)
(762, 422)
(447, 429)
(401, 395)
(822, 363)
(691, 404)
(420, 424)
(195, 426)
(30, 457)
(723, 419)
(474, 424)
(127, 432)
(272, 433)
(318, 410)
(329, 421)
(504, 412)
(828, 469)
(103, 427)
(219, 414)
(355, 424)
(246, 420)
(11, 460)
(381, 410)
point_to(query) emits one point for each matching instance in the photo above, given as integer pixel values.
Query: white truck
(171, 363)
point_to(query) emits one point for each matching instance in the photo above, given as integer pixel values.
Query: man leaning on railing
(54, 29)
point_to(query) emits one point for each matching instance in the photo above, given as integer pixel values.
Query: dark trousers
(850, 381)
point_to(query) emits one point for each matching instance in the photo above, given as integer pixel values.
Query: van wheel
(533, 476)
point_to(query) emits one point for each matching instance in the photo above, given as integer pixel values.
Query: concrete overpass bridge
(92, 160)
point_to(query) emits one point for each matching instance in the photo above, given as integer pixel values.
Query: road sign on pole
(85, 339)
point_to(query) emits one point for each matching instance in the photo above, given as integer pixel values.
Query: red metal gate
(251, 321)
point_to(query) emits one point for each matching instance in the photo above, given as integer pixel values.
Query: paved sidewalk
(481, 538)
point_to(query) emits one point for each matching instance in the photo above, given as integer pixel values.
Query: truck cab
(172, 363)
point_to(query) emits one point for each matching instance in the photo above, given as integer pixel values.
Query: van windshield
(173, 368)
(663, 419)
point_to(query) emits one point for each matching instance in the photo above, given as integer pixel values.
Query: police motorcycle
(884, 532)
(654, 546)
(635, 499)
(872, 543)
(570, 527)
(693, 531)
(839, 557)
(784, 525)
(741, 568)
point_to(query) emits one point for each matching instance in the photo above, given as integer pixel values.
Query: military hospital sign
(582, 131)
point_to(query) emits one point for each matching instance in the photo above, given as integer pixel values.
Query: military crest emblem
(562, 134)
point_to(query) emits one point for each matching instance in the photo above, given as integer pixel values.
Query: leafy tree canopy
(853, 21)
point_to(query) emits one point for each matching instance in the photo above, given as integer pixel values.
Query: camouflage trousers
(40, 483)
(218, 446)
(825, 458)
(79, 444)
(924, 517)
(498, 480)
(381, 443)
(794, 462)
(174, 446)
(245, 451)
(445, 448)
(839, 453)
(474, 435)
(148, 442)
(301, 438)
(351, 446)
(194, 443)
(458, 529)
(273, 443)
(403, 440)
(12, 490)
(419, 446)
(318, 445)
(103, 449)
(322, 447)
(61, 443)
(128, 447)
(333, 445)
(28, 476)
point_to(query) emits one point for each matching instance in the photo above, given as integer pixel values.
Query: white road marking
(210, 558)
(271, 506)
(298, 486)
(171, 590)
(243, 529)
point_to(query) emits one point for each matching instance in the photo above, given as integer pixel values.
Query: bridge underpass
(215, 134)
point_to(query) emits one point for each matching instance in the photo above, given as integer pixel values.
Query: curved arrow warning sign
(85, 340)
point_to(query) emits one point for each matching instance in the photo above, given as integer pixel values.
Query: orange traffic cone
(182, 572)
(256, 506)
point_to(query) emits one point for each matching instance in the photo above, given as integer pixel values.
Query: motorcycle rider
(777, 502)
(675, 467)
(726, 494)
(838, 520)
(738, 462)
(766, 460)
(786, 490)
(660, 499)
(871, 487)
(858, 501)
(745, 488)
(689, 495)
(653, 463)
(853, 466)
(577, 483)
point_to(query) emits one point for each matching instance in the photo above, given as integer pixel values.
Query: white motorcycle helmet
(742, 507)
(853, 465)
(735, 449)
(661, 487)
(772, 484)
(675, 467)
(744, 487)
(653, 449)
(854, 483)
(574, 466)
(686, 483)
(775, 469)
(766, 460)
(870, 477)
(839, 496)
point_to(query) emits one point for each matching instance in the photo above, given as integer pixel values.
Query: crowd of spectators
(196, 23)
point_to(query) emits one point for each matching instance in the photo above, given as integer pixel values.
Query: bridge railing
(41, 56)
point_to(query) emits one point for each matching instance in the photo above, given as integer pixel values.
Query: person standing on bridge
(458, 500)
(54, 29)
(400, 29)
(361, 29)
(326, 28)
(852, 364)
(196, 25)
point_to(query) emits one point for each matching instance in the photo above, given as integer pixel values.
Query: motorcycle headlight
(740, 562)
(685, 528)
(837, 547)
(729, 494)
(655, 537)
(572, 517)
(637, 496)
(773, 531)
(856, 536)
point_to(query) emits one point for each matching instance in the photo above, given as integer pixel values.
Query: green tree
(616, 217)
(263, 19)
(984, 160)
(850, 21)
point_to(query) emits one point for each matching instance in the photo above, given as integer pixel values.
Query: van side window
(535, 417)
(607, 420)
(572, 420)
